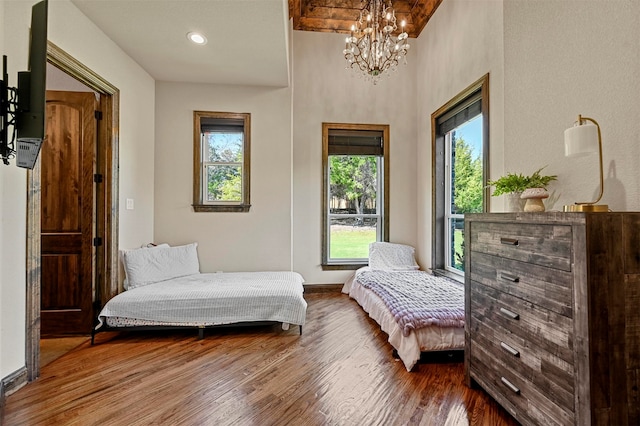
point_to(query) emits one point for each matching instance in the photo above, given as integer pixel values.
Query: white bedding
(430, 338)
(214, 299)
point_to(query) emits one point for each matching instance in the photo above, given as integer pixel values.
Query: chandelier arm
(371, 46)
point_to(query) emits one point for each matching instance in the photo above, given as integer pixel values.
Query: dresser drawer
(547, 287)
(548, 374)
(545, 329)
(538, 244)
(519, 396)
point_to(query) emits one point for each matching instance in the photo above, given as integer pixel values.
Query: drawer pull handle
(510, 277)
(510, 314)
(509, 241)
(509, 349)
(510, 385)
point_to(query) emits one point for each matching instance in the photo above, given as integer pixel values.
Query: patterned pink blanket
(417, 299)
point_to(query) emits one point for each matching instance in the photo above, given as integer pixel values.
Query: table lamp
(581, 139)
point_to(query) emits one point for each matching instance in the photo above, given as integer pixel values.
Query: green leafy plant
(518, 182)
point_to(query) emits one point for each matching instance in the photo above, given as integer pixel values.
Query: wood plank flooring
(54, 347)
(339, 372)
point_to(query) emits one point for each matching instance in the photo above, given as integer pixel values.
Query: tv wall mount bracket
(8, 112)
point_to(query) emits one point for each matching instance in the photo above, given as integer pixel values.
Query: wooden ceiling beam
(338, 15)
(421, 11)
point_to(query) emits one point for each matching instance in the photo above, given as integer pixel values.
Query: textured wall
(564, 58)
(324, 91)
(257, 240)
(461, 43)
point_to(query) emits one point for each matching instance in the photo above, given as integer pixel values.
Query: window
(355, 198)
(460, 161)
(221, 161)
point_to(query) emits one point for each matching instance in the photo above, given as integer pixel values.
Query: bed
(165, 289)
(419, 312)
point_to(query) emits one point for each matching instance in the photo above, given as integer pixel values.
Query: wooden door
(67, 215)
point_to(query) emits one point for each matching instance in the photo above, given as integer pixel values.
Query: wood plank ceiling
(337, 16)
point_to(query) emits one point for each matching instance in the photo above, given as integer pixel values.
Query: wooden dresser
(553, 315)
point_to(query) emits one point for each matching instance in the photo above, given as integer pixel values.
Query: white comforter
(214, 298)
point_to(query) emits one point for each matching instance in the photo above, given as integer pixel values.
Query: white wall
(13, 296)
(548, 62)
(257, 240)
(59, 80)
(461, 43)
(90, 46)
(564, 58)
(3, 206)
(85, 42)
(324, 91)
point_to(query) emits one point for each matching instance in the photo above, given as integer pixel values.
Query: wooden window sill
(210, 208)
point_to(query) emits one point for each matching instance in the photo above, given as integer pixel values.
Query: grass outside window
(351, 242)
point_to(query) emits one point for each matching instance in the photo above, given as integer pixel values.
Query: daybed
(419, 311)
(165, 289)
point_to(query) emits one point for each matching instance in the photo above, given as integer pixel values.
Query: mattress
(409, 347)
(211, 299)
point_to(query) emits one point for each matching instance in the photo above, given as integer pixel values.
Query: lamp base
(586, 208)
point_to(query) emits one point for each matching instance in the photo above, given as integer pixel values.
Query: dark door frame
(106, 256)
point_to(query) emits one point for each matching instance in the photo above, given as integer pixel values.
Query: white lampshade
(581, 140)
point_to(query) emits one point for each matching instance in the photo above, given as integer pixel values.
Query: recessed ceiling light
(197, 38)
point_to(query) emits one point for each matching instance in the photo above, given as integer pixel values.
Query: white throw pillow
(144, 267)
(123, 251)
(392, 257)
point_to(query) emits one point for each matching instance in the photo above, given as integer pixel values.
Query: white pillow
(392, 257)
(144, 267)
(123, 251)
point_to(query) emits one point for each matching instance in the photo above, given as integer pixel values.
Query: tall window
(355, 192)
(221, 161)
(460, 161)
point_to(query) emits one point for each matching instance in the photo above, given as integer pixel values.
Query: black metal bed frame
(200, 328)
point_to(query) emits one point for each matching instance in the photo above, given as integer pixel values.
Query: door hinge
(97, 242)
(98, 115)
(97, 178)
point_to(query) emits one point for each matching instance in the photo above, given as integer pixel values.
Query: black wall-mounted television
(32, 91)
(29, 109)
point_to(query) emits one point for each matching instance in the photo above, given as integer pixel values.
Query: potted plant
(513, 185)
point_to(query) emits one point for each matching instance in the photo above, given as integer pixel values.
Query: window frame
(439, 169)
(384, 206)
(198, 164)
(448, 216)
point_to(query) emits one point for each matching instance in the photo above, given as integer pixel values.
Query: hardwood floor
(339, 372)
(54, 347)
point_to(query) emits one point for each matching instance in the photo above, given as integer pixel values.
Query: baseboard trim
(14, 381)
(323, 288)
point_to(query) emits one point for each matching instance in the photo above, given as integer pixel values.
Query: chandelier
(371, 47)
